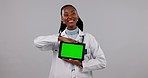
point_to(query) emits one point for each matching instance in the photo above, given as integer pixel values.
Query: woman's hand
(76, 62)
(64, 39)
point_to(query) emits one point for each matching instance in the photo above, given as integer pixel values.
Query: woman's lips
(71, 21)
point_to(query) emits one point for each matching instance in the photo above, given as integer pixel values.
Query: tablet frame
(60, 49)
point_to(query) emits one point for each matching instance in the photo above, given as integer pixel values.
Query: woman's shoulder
(46, 36)
(89, 35)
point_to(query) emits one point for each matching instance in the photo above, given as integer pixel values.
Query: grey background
(120, 26)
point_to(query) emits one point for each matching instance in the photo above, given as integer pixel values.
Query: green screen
(72, 50)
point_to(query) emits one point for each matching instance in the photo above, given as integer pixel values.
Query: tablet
(71, 50)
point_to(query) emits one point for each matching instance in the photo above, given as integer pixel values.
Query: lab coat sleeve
(46, 43)
(97, 61)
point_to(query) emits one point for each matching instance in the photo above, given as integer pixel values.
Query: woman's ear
(62, 20)
(78, 19)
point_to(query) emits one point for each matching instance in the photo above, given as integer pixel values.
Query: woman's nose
(70, 16)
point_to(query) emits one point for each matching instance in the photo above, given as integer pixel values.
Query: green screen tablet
(71, 50)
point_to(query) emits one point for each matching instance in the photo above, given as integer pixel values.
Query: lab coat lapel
(79, 37)
(63, 34)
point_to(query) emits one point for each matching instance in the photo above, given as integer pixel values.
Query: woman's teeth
(71, 21)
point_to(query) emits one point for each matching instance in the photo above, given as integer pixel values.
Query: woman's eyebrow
(73, 11)
(66, 12)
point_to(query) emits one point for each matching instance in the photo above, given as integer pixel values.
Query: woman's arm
(98, 60)
(46, 43)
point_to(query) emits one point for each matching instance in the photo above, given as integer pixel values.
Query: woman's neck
(75, 31)
(71, 27)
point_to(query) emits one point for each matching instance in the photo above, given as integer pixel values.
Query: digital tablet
(71, 50)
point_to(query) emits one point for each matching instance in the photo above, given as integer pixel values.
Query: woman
(71, 31)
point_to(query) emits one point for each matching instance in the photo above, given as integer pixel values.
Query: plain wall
(120, 26)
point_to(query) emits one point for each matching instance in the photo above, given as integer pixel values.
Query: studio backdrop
(120, 26)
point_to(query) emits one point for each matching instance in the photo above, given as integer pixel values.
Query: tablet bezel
(60, 49)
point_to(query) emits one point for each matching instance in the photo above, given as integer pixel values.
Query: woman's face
(69, 17)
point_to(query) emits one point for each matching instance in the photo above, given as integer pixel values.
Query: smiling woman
(71, 31)
(69, 17)
(79, 22)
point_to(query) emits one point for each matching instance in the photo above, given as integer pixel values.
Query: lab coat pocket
(84, 75)
(86, 54)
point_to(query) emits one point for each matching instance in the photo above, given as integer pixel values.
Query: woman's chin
(71, 27)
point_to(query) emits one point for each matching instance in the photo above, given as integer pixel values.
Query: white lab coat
(93, 60)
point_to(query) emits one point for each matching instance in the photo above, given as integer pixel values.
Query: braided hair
(79, 22)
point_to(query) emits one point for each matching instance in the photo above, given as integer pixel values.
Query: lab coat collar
(81, 33)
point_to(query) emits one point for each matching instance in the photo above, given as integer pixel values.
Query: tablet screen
(71, 50)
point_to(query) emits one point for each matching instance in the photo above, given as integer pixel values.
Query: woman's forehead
(69, 8)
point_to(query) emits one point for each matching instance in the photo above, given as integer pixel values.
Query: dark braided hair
(79, 22)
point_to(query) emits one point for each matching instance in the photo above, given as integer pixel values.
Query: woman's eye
(73, 13)
(65, 14)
